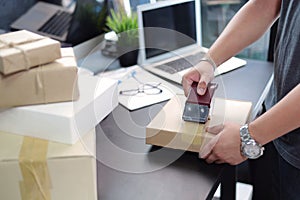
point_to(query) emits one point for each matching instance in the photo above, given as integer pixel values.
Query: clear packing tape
(40, 80)
(195, 134)
(36, 182)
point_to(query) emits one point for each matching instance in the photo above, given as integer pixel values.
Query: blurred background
(215, 16)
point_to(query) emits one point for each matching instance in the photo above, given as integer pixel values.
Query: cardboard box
(22, 50)
(167, 129)
(64, 122)
(32, 168)
(53, 82)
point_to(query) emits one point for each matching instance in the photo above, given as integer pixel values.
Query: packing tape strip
(33, 164)
(194, 138)
(40, 83)
(191, 139)
(40, 80)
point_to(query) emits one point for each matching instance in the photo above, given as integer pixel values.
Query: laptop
(74, 23)
(170, 39)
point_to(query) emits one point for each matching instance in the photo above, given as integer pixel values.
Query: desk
(128, 169)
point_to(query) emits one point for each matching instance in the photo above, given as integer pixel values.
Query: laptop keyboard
(180, 64)
(58, 24)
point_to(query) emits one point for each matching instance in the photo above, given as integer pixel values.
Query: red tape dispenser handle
(205, 99)
(197, 106)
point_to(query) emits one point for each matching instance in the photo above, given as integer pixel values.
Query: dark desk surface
(128, 169)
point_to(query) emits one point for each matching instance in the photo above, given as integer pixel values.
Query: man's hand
(225, 147)
(202, 73)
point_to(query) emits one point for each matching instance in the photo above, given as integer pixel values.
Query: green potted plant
(126, 28)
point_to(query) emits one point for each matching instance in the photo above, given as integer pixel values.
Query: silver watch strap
(244, 133)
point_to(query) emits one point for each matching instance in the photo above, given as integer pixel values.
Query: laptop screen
(71, 23)
(178, 20)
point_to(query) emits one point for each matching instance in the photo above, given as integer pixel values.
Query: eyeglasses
(149, 88)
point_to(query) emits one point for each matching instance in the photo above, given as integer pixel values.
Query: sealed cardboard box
(167, 129)
(64, 122)
(21, 50)
(53, 82)
(32, 168)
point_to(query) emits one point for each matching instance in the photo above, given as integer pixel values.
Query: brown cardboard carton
(53, 82)
(32, 168)
(22, 50)
(168, 129)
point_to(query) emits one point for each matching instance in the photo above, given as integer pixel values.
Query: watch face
(252, 151)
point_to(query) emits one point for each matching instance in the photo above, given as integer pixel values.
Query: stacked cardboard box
(64, 122)
(35, 70)
(47, 130)
(32, 168)
(168, 129)
(22, 50)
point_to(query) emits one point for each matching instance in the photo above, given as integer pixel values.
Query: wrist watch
(249, 147)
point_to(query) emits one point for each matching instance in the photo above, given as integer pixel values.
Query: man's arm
(279, 120)
(248, 25)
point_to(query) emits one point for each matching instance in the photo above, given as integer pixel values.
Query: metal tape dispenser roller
(197, 106)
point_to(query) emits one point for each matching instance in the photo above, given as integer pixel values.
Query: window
(215, 16)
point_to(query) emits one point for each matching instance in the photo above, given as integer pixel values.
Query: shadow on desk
(129, 169)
